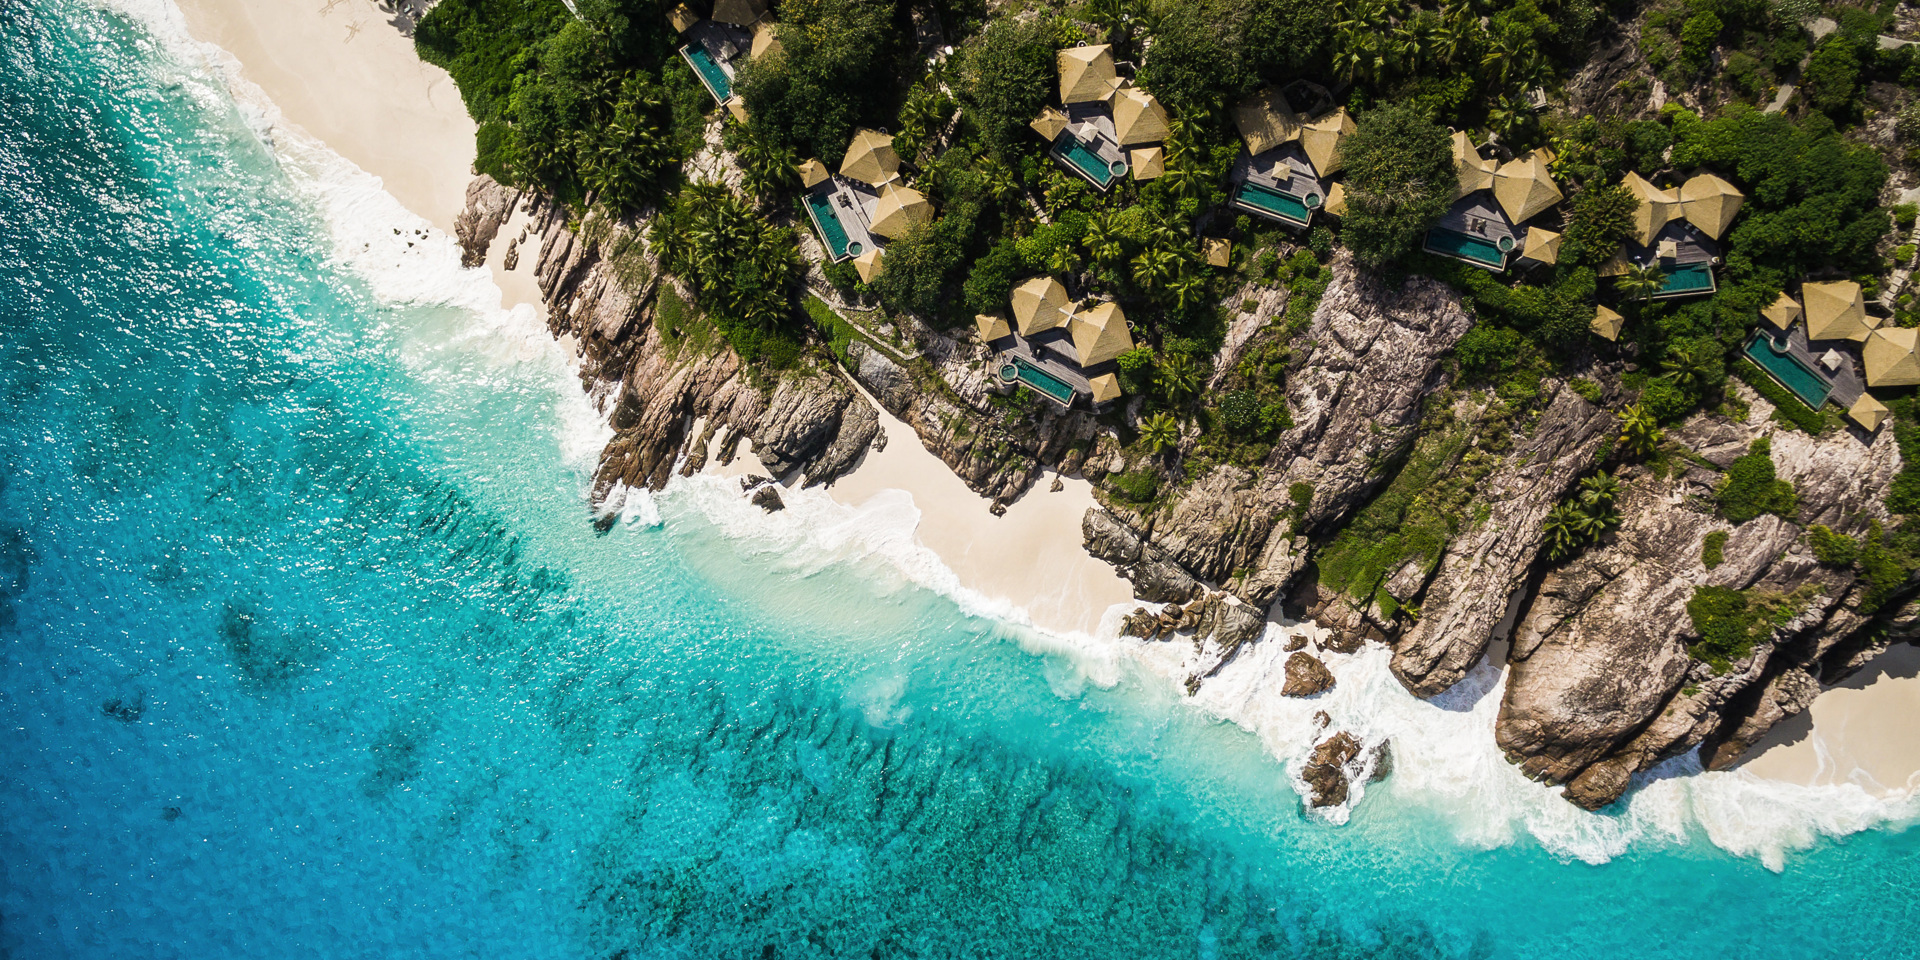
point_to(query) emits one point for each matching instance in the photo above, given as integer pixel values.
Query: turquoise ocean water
(307, 648)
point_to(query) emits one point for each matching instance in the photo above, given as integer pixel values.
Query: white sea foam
(1443, 750)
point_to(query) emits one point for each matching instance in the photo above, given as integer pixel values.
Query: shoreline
(370, 99)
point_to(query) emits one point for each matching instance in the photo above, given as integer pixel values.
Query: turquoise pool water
(1081, 158)
(1272, 203)
(1806, 383)
(1039, 379)
(820, 209)
(1452, 243)
(309, 648)
(711, 74)
(1687, 280)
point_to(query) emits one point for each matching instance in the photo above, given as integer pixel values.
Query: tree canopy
(839, 68)
(1400, 180)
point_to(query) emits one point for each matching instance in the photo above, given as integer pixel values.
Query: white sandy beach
(338, 70)
(1861, 731)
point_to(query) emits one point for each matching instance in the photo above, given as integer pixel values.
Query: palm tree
(1159, 431)
(1563, 531)
(1508, 115)
(1641, 281)
(1640, 434)
(1599, 489)
(1103, 241)
(1691, 367)
(1189, 287)
(1179, 377)
(1505, 58)
(1154, 267)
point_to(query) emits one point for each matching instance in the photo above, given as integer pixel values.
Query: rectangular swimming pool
(1084, 161)
(1055, 388)
(1685, 281)
(1272, 204)
(1793, 373)
(712, 75)
(820, 209)
(1475, 250)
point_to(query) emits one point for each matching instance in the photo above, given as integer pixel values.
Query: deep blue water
(307, 648)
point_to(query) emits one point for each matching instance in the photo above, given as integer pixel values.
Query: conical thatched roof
(1525, 188)
(1607, 323)
(682, 18)
(870, 158)
(737, 107)
(1336, 200)
(1474, 172)
(1138, 117)
(992, 326)
(1218, 251)
(1105, 387)
(1542, 245)
(1266, 121)
(1616, 265)
(1100, 334)
(868, 264)
(812, 173)
(1086, 73)
(1835, 311)
(1039, 304)
(740, 13)
(764, 42)
(1710, 203)
(1890, 358)
(1782, 312)
(1657, 207)
(1868, 412)
(899, 211)
(1049, 123)
(1321, 141)
(1148, 163)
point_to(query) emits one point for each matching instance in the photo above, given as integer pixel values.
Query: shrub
(1586, 389)
(1903, 254)
(1138, 486)
(1730, 621)
(1903, 214)
(1713, 550)
(1750, 487)
(1830, 548)
(1599, 218)
(1832, 75)
(1240, 411)
(1787, 408)
(1697, 38)
(1135, 371)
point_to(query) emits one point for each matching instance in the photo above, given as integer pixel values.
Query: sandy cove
(339, 71)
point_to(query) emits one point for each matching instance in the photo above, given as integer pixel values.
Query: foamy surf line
(1444, 752)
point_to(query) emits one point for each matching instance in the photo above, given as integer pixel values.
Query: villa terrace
(1487, 223)
(864, 205)
(1105, 127)
(1058, 351)
(1281, 175)
(738, 28)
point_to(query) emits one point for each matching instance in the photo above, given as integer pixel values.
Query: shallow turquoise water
(307, 648)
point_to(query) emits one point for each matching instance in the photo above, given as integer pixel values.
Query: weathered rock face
(1306, 676)
(1326, 770)
(1466, 597)
(1355, 387)
(1602, 685)
(810, 421)
(998, 459)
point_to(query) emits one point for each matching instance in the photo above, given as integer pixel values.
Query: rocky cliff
(1604, 681)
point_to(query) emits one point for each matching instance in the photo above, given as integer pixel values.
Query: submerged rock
(1326, 769)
